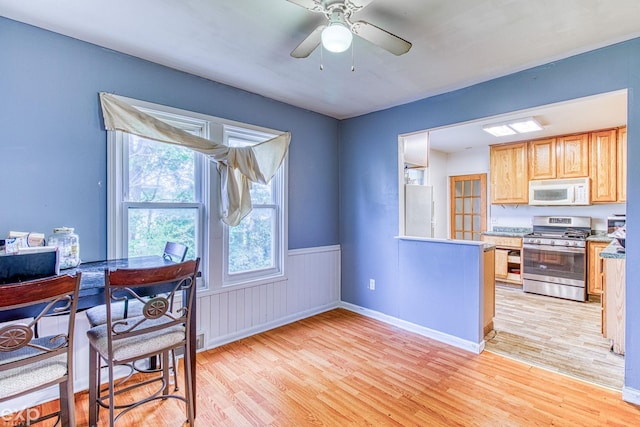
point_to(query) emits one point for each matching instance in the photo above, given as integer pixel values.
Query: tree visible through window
(254, 246)
(161, 203)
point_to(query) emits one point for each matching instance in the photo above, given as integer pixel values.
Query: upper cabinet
(604, 159)
(622, 165)
(542, 159)
(573, 156)
(509, 180)
(599, 155)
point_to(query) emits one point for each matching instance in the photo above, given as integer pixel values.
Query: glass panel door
(468, 206)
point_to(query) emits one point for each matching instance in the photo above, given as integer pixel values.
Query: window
(254, 249)
(159, 192)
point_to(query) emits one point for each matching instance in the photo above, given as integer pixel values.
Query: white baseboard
(631, 395)
(421, 330)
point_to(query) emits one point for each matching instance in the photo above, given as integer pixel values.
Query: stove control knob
(569, 243)
(537, 241)
(553, 242)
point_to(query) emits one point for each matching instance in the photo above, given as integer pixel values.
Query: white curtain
(237, 165)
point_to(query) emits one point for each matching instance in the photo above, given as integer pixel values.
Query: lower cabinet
(595, 266)
(508, 255)
(489, 290)
(613, 303)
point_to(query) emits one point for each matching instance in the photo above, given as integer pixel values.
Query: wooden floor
(342, 369)
(556, 334)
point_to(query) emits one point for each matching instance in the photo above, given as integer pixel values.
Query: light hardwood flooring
(556, 334)
(343, 369)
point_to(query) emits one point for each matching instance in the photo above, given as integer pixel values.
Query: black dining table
(92, 292)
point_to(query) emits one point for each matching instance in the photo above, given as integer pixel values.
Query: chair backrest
(31, 301)
(170, 283)
(175, 251)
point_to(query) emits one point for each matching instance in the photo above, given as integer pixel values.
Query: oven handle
(549, 248)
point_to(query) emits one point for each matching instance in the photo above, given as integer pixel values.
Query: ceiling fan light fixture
(336, 37)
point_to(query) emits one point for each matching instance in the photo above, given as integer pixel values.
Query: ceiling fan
(336, 35)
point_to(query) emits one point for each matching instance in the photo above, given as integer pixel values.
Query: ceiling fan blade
(380, 37)
(309, 44)
(308, 4)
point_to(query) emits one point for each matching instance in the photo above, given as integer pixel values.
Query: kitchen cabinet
(509, 177)
(621, 190)
(489, 290)
(604, 158)
(595, 267)
(542, 159)
(508, 258)
(614, 303)
(573, 156)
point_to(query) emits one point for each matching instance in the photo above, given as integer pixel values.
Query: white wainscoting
(312, 286)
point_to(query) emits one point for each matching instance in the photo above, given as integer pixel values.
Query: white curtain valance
(237, 165)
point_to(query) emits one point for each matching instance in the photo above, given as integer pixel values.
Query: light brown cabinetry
(622, 165)
(614, 303)
(542, 159)
(595, 275)
(508, 258)
(489, 290)
(573, 156)
(603, 151)
(509, 180)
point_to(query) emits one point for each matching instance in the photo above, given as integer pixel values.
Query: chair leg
(188, 381)
(175, 370)
(165, 372)
(67, 402)
(112, 396)
(94, 386)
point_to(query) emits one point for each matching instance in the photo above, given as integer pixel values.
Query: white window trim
(213, 234)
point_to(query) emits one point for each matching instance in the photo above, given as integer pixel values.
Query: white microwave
(559, 192)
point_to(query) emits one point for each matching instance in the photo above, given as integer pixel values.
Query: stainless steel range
(555, 258)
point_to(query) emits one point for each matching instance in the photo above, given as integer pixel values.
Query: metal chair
(162, 328)
(29, 363)
(98, 315)
(175, 251)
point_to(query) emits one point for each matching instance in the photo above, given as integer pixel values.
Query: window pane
(251, 243)
(467, 188)
(262, 194)
(160, 172)
(476, 187)
(458, 188)
(150, 229)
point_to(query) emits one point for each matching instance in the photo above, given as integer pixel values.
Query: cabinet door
(595, 273)
(573, 156)
(542, 159)
(502, 263)
(603, 153)
(509, 180)
(622, 165)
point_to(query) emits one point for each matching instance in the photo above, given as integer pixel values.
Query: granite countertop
(600, 238)
(508, 231)
(613, 251)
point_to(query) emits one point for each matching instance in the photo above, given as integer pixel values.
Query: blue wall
(369, 183)
(53, 144)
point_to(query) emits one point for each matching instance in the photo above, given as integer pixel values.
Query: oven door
(554, 264)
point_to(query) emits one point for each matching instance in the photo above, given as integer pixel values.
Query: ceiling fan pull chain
(353, 64)
(321, 58)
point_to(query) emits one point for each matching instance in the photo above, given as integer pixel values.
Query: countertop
(508, 231)
(613, 251)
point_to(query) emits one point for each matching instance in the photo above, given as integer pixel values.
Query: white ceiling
(246, 43)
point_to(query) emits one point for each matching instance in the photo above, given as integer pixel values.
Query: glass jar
(68, 244)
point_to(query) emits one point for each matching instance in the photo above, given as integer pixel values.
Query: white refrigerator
(418, 210)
